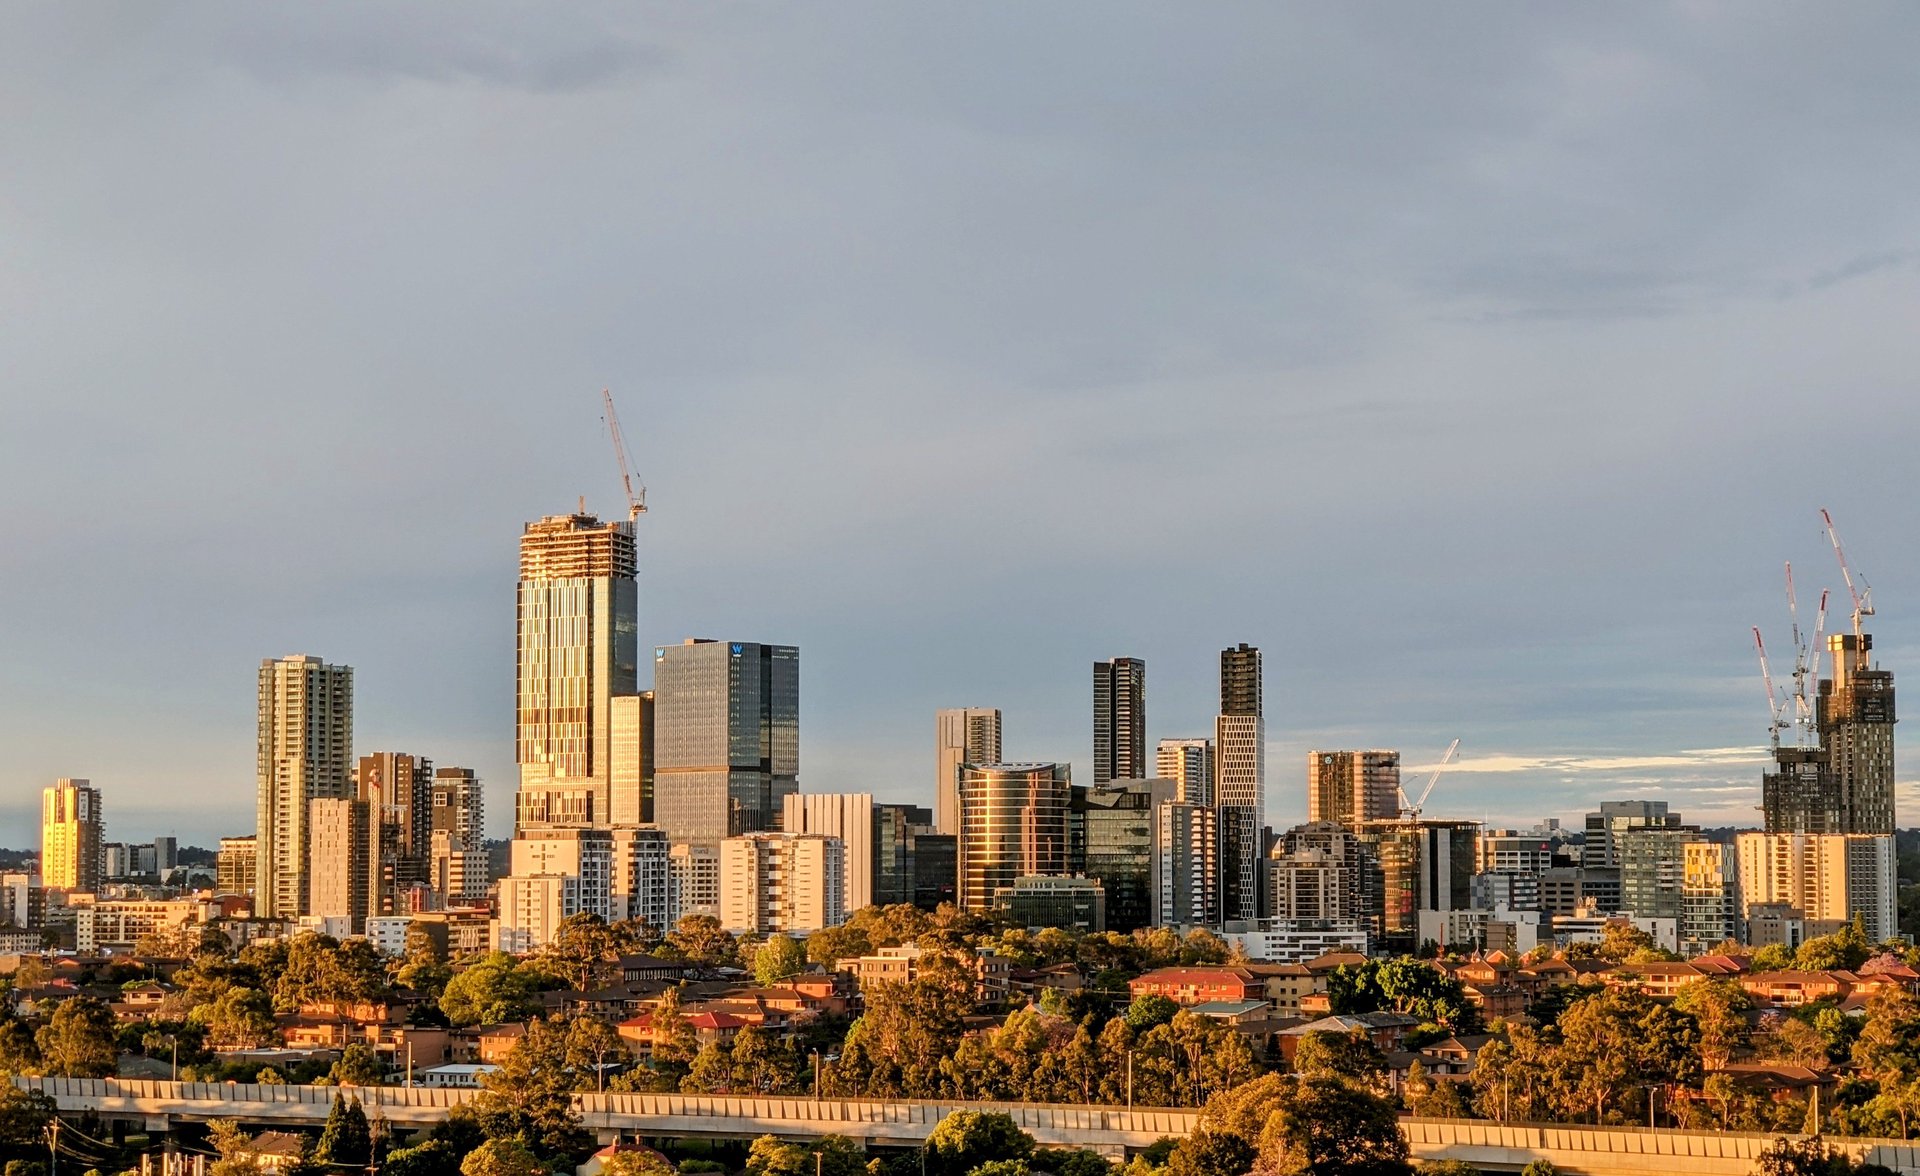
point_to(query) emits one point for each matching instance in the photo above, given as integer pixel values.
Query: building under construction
(1839, 778)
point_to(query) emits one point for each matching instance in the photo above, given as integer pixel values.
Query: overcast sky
(1481, 364)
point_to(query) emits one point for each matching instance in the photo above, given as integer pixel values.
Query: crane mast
(1411, 812)
(636, 501)
(1863, 594)
(1774, 722)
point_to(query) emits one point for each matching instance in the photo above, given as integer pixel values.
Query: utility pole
(176, 1059)
(53, 1146)
(1129, 1079)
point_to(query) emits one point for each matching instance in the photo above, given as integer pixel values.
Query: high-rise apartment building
(968, 736)
(782, 882)
(642, 883)
(1829, 878)
(578, 625)
(304, 754)
(1855, 714)
(72, 836)
(1189, 764)
(1353, 787)
(1653, 868)
(339, 848)
(581, 855)
(1324, 872)
(1112, 833)
(894, 829)
(848, 816)
(1187, 866)
(631, 799)
(1845, 784)
(1240, 782)
(693, 881)
(1603, 829)
(1709, 894)
(456, 849)
(1119, 723)
(1425, 865)
(726, 737)
(1013, 824)
(234, 865)
(398, 791)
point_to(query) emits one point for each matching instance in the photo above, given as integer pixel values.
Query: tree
(1078, 1161)
(779, 958)
(829, 945)
(586, 951)
(1539, 1168)
(1332, 1126)
(346, 1140)
(1408, 986)
(531, 1094)
(501, 1157)
(492, 990)
(234, 1147)
(1805, 1157)
(434, 1157)
(838, 1156)
(1844, 950)
(1720, 1008)
(701, 939)
(321, 968)
(1621, 939)
(24, 1115)
(1339, 1055)
(239, 1018)
(896, 1047)
(964, 1140)
(1210, 1153)
(1148, 1010)
(423, 967)
(1774, 957)
(359, 1065)
(636, 1161)
(78, 1041)
(593, 1046)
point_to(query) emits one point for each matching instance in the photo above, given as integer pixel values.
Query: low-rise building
(1198, 985)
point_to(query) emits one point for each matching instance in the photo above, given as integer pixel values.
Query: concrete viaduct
(1491, 1147)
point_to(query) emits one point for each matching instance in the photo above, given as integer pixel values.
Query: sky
(1480, 364)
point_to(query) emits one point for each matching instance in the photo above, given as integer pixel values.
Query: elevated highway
(1491, 1147)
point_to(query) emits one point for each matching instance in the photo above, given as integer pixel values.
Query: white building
(848, 816)
(532, 907)
(388, 933)
(642, 886)
(1186, 867)
(1283, 945)
(585, 855)
(1189, 764)
(1828, 877)
(791, 882)
(693, 882)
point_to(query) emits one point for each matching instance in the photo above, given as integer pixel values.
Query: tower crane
(1863, 594)
(1775, 723)
(636, 501)
(1411, 812)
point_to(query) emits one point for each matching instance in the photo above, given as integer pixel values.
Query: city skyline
(1507, 462)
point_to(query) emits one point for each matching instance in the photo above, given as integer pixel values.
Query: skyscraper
(1240, 781)
(398, 791)
(1855, 712)
(339, 852)
(578, 620)
(848, 816)
(72, 836)
(631, 802)
(969, 736)
(1829, 878)
(1112, 837)
(1013, 823)
(726, 737)
(1189, 764)
(782, 882)
(1353, 787)
(305, 753)
(457, 851)
(1186, 875)
(1119, 722)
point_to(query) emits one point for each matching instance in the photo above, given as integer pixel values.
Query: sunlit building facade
(1013, 824)
(726, 738)
(72, 836)
(961, 736)
(305, 753)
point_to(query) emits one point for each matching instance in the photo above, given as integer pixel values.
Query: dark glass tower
(1119, 722)
(726, 737)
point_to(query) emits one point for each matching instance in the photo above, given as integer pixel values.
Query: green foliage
(1328, 1125)
(501, 1157)
(1407, 986)
(838, 1156)
(1210, 1153)
(1539, 1168)
(359, 1065)
(896, 1047)
(25, 1168)
(636, 1162)
(1843, 950)
(701, 939)
(779, 958)
(239, 1018)
(491, 990)
(434, 1157)
(586, 951)
(1811, 1156)
(1149, 1010)
(322, 968)
(964, 1140)
(24, 1115)
(1774, 957)
(531, 1095)
(79, 1040)
(1446, 1168)
(1077, 1161)
(346, 1140)
(1339, 1055)
(829, 945)
(1003, 1168)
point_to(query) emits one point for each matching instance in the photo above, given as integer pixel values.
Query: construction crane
(1775, 708)
(1862, 595)
(636, 500)
(1411, 812)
